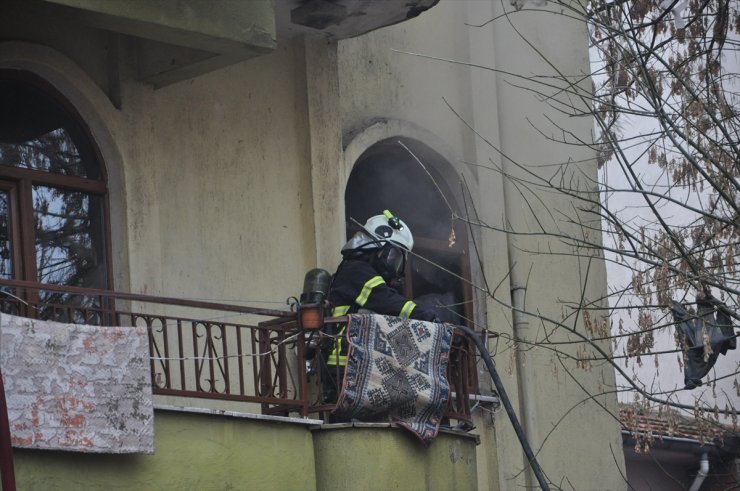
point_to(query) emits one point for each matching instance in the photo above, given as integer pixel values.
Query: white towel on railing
(77, 387)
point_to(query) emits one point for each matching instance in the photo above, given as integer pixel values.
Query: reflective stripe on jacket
(357, 284)
(366, 296)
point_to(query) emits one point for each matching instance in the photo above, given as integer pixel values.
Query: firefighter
(373, 259)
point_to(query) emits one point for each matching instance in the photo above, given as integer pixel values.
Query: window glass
(37, 132)
(53, 152)
(69, 237)
(6, 244)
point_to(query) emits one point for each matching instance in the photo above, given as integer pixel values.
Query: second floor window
(53, 206)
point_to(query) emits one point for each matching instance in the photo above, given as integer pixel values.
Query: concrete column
(533, 43)
(486, 122)
(328, 177)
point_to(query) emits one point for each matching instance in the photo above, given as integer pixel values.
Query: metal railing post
(6, 463)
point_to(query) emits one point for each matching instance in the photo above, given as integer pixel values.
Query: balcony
(218, 352)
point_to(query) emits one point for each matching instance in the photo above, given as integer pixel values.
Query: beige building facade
(227, 172)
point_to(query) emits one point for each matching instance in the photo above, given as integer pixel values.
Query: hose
(507, 406)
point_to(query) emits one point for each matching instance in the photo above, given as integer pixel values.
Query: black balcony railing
(213, 350)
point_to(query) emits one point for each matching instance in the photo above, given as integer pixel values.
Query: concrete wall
(192, 452)
(373, 458)
(417, 78)
(551, 276)
(199, 452)
(218, 168)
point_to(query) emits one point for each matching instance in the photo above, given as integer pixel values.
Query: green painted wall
(373, 458)
(209, 452)
(192, 452)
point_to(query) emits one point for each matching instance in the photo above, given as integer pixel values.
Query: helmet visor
(394, 259)
(360, 242)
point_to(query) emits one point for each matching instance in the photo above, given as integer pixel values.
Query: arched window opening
(53, 197)
(386, 176)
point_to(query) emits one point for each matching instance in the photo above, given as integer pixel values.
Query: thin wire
(210, 318)
(418, 161)
(220, 300)
(200, 358)
(229, 300)
(19, 299)
(245, 355)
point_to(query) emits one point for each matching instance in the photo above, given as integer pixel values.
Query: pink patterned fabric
(77, 387)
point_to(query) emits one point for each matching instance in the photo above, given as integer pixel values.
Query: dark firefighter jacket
(356, 286)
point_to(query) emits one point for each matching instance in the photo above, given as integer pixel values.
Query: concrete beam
(221, 27)
(180, 39)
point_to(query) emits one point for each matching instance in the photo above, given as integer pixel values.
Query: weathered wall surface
(221, 197)
(217, 173)
(199, 452)
(550, 275)
(378, 81)
(193, 452)
(364, 457)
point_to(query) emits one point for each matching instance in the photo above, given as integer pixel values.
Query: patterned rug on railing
(397, 370)
(77, 387)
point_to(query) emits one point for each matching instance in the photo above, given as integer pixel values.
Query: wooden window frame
(21, 181)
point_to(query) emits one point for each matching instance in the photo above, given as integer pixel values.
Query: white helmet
(378, 231)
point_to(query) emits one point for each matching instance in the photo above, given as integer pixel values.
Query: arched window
(386, 176)
(53, 196)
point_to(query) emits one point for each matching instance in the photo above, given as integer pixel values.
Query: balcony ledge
(236, 414)
(359, 424)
